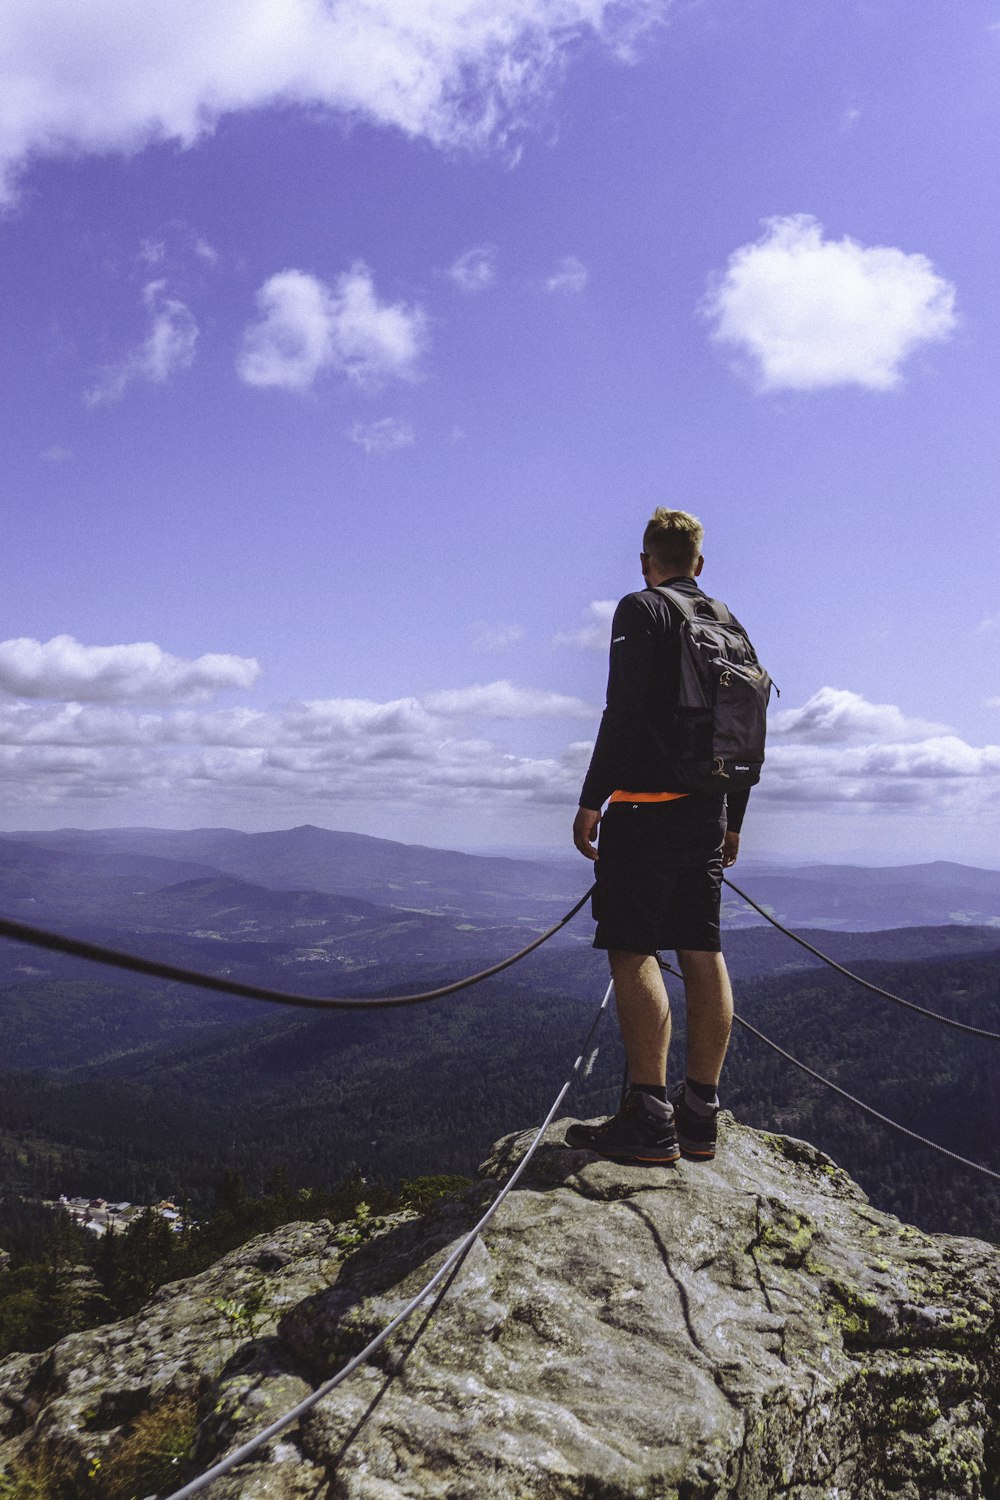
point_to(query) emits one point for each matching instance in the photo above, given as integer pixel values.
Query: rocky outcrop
(746, 1329)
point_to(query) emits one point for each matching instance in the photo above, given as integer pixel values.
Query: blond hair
(673, 539)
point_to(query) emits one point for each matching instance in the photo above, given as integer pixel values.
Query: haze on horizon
(350, 345)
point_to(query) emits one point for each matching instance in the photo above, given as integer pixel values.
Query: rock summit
(739, 1330)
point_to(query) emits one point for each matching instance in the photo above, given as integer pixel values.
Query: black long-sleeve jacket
(643, 680)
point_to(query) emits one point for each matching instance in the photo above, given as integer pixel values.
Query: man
(659, 874)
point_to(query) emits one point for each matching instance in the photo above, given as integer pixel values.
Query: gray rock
(75, 1400)
(741, 1329)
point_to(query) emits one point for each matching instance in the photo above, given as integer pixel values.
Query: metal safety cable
(55, 942)
(828, 1083)
(932, 1015)
(876, 1114)
(294, 1413)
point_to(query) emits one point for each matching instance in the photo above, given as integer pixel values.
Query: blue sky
(349, 346)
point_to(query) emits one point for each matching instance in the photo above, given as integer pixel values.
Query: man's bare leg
(709, 998)
(643, 1014)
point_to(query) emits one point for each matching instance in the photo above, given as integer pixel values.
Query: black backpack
(717, 730)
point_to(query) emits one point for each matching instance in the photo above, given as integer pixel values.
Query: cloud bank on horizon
(74, 729)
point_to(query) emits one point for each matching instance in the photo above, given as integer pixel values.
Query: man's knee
(701, 960)
(706, 978)
(623, 959)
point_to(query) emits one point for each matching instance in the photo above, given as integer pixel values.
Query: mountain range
(91, 871)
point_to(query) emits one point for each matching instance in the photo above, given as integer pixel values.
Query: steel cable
(828, 1083)
(859, 1103)
(294, 1413)
(932, 1015)
(55, 942)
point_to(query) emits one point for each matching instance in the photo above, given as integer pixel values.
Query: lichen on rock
(732, 1331)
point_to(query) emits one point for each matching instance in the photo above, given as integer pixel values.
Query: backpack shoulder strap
(693, 609)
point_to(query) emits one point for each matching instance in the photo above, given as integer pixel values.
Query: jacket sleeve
(631, 668)
(736, 807)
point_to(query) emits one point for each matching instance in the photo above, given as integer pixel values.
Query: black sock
(658, 1090)
(704, 1091)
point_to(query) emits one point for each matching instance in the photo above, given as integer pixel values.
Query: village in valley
(101, 1217)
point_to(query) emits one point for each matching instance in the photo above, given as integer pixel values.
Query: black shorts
(659, 875)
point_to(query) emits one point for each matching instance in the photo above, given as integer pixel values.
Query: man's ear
(698, 566)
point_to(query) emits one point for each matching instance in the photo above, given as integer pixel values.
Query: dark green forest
(403, 1093)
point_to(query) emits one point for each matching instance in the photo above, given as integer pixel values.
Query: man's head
(671, 545)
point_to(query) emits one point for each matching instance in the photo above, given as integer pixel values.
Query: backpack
(717, 730)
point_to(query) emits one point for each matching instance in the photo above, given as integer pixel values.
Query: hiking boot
(697, 1124)
(641, 1131)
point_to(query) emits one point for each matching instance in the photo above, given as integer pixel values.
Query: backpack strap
(703, 607)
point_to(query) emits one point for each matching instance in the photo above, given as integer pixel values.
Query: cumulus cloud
(595, 634)
(837, 716)
(168, 347)
(935, 773)
(476, 270)
(571, 276)
(324, 750)
(336, 719)
(383, 436)
(62, 668)
(306, 328)
(456, 72)
(809, 312)
(838, 747)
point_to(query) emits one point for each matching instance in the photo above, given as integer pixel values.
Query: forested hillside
(405, 1092)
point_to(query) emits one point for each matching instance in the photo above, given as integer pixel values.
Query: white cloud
(840, 748)
(476, 270)
(408, 751)
(811, 313)
(110, 75)
(337, 719)
(595, 635)
(837, 716)
(935, 773)
(502, 700)
(325, 751)
(167, 348)
(57, 454)
(81, 724)
(305, 328)
(63, 668)
(487, 637)
(383, 436)
(571, 276)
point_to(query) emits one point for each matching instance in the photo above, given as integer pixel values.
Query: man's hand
(585, 831)
(730, 849)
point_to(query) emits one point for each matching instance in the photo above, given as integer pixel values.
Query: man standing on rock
(662, 853)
